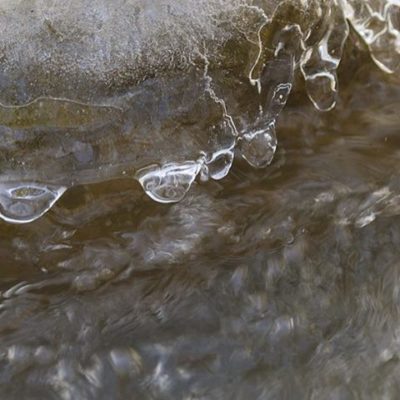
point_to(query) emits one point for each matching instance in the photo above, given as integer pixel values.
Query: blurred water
(276, 283)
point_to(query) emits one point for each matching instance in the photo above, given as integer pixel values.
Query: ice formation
(163, 92)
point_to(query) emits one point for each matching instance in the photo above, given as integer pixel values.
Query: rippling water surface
(273, 283)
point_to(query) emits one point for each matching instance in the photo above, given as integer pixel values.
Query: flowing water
(191, 207)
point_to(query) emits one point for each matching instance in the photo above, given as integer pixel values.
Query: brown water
(276, 283)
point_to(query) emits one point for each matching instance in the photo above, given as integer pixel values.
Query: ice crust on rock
(91, 91)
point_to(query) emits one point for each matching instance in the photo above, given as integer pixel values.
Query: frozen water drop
(258, 147)
(322, 90)
(21, 203)
(170, 182)
(219, 164)
(320, 61)
(258, 139)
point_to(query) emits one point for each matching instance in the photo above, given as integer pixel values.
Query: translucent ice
(170, 182)
(91, 92)
(218, 166)
(378, 24)
(258, 140)
(320, 60)
(258, 148)
(25, 202)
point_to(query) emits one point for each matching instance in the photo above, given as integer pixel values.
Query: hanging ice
(378, 24)
(320, 60)
(25, 202)
(90, 92)
(170, 182)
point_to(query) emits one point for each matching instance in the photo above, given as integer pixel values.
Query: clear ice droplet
(22, 203)
(218, 166)
(258, 147)
(322, 90)
(320, 61)
(258, 140)
(168, 183)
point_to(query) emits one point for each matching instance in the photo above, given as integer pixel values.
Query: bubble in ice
(26, 202)
(168, 183)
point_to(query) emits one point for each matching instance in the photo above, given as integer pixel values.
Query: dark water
(278, 283)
